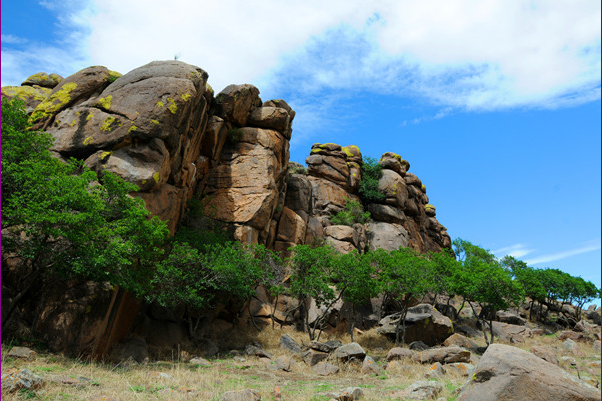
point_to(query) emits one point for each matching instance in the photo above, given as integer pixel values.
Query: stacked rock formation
(404, 218)
(162, 128)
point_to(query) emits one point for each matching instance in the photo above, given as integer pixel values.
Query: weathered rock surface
(508, 373)
(21, 379)
(241, 395)
(443, 355)
(421, 390)
(423, 323)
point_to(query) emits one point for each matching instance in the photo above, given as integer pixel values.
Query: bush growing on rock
(371, 173)
(352, 213)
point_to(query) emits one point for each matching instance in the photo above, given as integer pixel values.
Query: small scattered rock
(162, 376)
(418, 346)
(284, 363)
(463, 369)
(312, 357)
(202, 362)
(369, 366)
(289, 344)
(325, 369)
(351, 350)
(22, 353)
(421, 390)
(435, 371)
(399, 353)
(460, 341)
(252, 350)
(443, 355)
(21, 379)
(572, 347)
(328, 346)
(241, 395)
(348, 394)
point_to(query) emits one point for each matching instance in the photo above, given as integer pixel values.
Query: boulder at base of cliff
(423, 323)
(511, 374)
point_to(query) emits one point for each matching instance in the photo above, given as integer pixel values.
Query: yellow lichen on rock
(105, 102)
(156, 177)
(104, 155)
(186, 96)
(108, 124)
(132, 128)
(89, 140)
(54, 102)
(26, 92)
(160, 104)
(154, 122)
(172, 105)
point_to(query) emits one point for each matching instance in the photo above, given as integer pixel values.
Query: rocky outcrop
(162, 128)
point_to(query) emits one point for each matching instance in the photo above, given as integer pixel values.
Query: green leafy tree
(311, 278)
(403, 275)
(59, 219)
(484, 281)
(355, 281)
(529, 278)
(444, 269)
(371, 173)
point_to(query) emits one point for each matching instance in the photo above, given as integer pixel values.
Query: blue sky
(495, 104)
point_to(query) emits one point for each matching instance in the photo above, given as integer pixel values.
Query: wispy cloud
(564, 254)
(516, 250)
(12, 39)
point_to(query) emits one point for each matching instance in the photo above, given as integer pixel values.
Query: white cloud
(593, 246)
(465, 54)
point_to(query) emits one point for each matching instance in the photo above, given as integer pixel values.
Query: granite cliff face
(162, 128)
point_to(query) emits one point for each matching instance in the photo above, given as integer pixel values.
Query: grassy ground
(77, 379)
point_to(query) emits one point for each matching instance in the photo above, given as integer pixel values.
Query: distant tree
(60, 219)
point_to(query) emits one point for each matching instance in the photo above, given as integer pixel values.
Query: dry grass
(186, 382)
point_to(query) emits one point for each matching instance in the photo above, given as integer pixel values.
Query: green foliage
(371, 173)
(311, 278)
(403, 274)
(352, 213)
(482, 279)
(59, 219)
(195, 277)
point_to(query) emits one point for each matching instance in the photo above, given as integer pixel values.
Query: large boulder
(511, 374)
(386, 236)
(235, 102)
(423, 323)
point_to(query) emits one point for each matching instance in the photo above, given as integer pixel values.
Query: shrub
(351, 214)
(371, 173)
